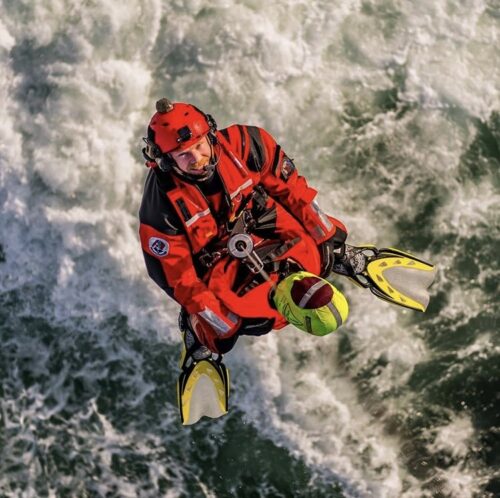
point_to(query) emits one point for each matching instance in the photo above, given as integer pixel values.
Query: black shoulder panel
(155, 271)
(225, 132)
(276, 160)
(156, 210)
(257, 155)
(235, 136)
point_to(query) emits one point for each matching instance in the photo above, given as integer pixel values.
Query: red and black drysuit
(185, 225)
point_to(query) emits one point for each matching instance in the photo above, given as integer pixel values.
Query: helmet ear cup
(213, 129)
(155, 150)
(166, 163)
(211, 123)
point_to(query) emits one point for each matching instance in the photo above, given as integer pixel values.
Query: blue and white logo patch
(158, 246)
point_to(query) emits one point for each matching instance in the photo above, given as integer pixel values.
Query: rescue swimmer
(207, 188)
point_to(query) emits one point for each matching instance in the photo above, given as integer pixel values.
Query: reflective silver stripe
(335, 313)
(322, 216)
(216, 322)
(242, 187)
(307, 296)
(197, 216)
(319, 232)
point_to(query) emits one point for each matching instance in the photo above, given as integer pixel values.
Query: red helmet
(178, 125)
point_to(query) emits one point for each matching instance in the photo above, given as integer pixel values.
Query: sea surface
(391, 108)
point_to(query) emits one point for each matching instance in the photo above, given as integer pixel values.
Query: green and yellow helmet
(311, 303)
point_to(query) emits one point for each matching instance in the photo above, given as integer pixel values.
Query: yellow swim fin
(396, 276)
(203, 390)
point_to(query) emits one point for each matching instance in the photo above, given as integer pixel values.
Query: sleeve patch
(287, 168)
(158, 246)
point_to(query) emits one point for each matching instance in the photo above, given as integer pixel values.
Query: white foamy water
(78, 84)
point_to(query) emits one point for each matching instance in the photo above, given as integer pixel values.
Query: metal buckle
(209, 259)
